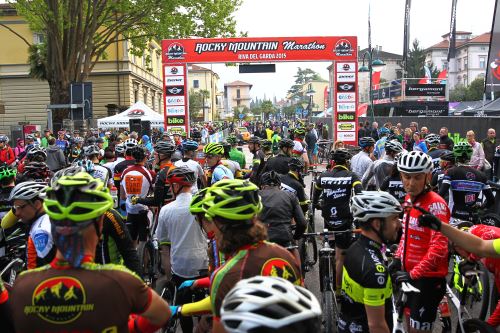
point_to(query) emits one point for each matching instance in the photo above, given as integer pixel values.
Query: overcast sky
(287, 18)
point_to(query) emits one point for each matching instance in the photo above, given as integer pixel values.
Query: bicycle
(324, 147)
(149, 254)
(12, 249)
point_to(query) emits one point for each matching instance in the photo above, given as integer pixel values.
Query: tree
(474, 92)
(416, 62)
(302, 77)
(197, 101)
(267, 108)
(78, 32)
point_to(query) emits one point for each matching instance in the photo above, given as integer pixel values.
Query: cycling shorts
(138, 226)
(423, 306)
(343, 240)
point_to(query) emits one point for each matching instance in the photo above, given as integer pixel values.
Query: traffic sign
(241, 115)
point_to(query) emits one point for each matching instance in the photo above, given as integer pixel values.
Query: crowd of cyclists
(230, 228)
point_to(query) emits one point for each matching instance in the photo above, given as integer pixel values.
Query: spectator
(311, 140)
(489, 146)
(374, 131)
(7, 155)
(408, 139)
(423, 132)
(361, 131)
(19, 150)
(45, 139)
(446, 142)
(55, 156)
(414, 126)
(419, 144)
(260, 132)
(477, 159)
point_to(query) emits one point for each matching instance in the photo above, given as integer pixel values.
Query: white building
(471, 57)
(236, 95)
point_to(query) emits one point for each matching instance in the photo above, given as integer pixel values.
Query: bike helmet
(28, 191)
(120, 148)
(462, 150)
(270, 178)
(190, 145)
(138, 153)
(69, 171)
(374, 204)
(36, 170)
(366, 141)
(91, 150)
(30, 137)
(214, 149)
(448, 157)
(340, 156)
(130, 143)
(6, 172)
(394, 146)
(78, 139)
(91, 141)
(266, 303)
(286, 143)
(181, 175)
(35, 152)
(415, 162)
(78, 198)
(299, 131)
(196, 135)
(384, 131)
(227, 147)
(266, 144)
(99, 140)
(255, 140)
(295, 164)
(233, 202)
(432, 139)
(196, 206)
(4, 139)
(165, 148)
(232, 139)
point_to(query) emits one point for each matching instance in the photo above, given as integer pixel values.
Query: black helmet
(270, 178)
(340, 156)
(295, 164)
(286, 143)
(266, 144)
(366, 142)
(138, 153)
(196, 135)
(254, 139)
(447, 157)
(165, 148)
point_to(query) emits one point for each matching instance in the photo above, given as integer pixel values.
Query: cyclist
(281, 212)
(362, 160)
(232, 207)
(379, 148)
(183, 245)
(366, 283)
(422, 255)
(259, 158)
(74, 281)
(61, 142)
(129, 144)
(336, 187)
(234, 153)
(35, 154)
(7, 155)
(267, 148)
(35, 171)
(92, 154)
(270, 304)
(27, 205)
(228, 163)
(464, 185)
(383, 166)
(137, 181)
(189, 148)
(432, 141)
(213, 155)
(199, 154)
(120, 156)
(393, 183)
(293, 182)
(7, 179)
(299, 146)
(446, 161)
(280, 162)
(76, 150)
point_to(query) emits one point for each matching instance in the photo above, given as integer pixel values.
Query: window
(466, 63)
(459, 64)
(444, 64)
(482, 62)
(136, 95)
(153, 100)
(482, 48)
(238, 93)
(196, 84)
(38, 38)
(159, 103)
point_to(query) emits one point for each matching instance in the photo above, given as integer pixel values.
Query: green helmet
(266, 144)
(462, 150)
(232, 139)
(78, 198)
(6, 171)
(196, 206)
(299, 131)
(214, 149)
(233, 201)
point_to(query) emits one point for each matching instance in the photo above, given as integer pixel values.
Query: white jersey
(193, 166)
(188, 244)
(360, 163)
(136, 183)
(103, 173)
(231, 165)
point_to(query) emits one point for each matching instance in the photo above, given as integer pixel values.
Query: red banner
(263, 49)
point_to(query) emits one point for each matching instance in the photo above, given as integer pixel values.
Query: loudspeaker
(146, 128)
(135, 125)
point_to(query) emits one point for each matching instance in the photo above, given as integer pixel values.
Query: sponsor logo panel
(176, 120)
(175, 51)
(346, 136)
(343, 116)
(346, 126)
(346, 67)
(176, 110)
(174, 100)
(346, 77)
(343, 48)
(346, 87)
(176, 129)
(346, 97)
(174, 80)
(175, 91)
(174, 70)
(346, 107)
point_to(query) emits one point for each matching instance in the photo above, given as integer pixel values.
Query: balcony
(242, 98)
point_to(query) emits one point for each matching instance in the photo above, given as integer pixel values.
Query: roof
(7, 9)
(457, 33)
(237, 83)
(198, 68)
(444, 44)
(382, 55)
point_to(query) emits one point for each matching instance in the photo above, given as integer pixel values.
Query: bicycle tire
(308, 252)
(475, 325)
(327, 304)
(310, 218)
(491, 219)
(477, 304)
(147, 256)
(166, 291)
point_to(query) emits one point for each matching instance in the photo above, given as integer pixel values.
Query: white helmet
(120, 148)
(130, 143)
(4, 138)
(374, 204)
(394, 145)
(433, 139)
(415, 162)
(28, 191)
(91, 150)
(264, 302)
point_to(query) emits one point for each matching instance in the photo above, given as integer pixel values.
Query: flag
(453, 30)
(427, 78)
(442, 76)
(406, 37)
(375, 79)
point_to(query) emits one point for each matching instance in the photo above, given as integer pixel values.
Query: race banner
(425, 90)
(263, 49)
(493, 68)
(345, 102)
(175, 98)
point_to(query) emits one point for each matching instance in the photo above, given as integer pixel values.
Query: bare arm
(165, 261)
(376, 322)
(469, 242)
(218, 327)
(158, 312)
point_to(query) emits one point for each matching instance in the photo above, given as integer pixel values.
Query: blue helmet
(384, 130)
(366, 142)
(190, 145)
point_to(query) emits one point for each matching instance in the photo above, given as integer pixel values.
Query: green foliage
(196, 101)
(302, 77)
(37, 57)
(474, 92)
(416, 62)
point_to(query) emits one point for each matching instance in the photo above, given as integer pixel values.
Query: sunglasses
(16, 207)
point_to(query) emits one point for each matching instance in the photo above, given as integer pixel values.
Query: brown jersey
(92, 298)
(263, 258)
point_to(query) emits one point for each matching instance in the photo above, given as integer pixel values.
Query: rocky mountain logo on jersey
(346, 77)
(175, 51)
(176, 110)
(174, 80)
(175, 91)
(346, 67)
(278, 267)
(174, 100)
(343, 48)
(346, 97)
(59, 300)
(174, 70)
(346, 107)
(345, 87)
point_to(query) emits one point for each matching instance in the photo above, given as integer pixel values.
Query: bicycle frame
(398, 307)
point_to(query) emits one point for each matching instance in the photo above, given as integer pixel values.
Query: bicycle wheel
(491, 219)
(308, 251)
(327, 304)
(310, 218)
(167, 292)
(148, 257)
(475, 325)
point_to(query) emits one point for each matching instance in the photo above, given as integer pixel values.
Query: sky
(430, 20)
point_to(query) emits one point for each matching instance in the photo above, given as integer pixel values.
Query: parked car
(245, 134)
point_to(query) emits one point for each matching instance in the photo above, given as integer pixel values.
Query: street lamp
(310, 93)
(373, 66)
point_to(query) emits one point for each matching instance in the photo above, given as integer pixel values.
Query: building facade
(236, 96)
(204, 79)
(117, 82)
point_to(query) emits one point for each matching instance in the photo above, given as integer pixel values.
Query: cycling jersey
(219, 172)
(360, 163)
(118, 170)
(464, 185)
(424, 252)
(57, 297)
(75, 154)
(379, 150)
(115, 245)
(200, 155)
(103, 173)
(262, 258)
(40, 249)
(394, 186)
(365, 281)
(233, 166)
(291, 183)
(258, 164)
(278, 163)
(336, 188)
(137, 181)
(237, 156)
(193, 166)
(435, 154)
(63, 145)
(378, 170)
(299, 148)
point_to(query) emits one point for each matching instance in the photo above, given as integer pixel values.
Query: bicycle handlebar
(329, 232)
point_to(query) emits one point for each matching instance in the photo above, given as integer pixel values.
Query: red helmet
(181, 175)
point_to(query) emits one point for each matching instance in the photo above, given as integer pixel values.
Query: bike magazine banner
(177, 53)
(493, 68)
(345, 102)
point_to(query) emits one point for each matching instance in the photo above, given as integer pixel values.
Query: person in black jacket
(445, 141)
(260, 132)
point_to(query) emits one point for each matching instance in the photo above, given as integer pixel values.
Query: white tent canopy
(137, 111)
